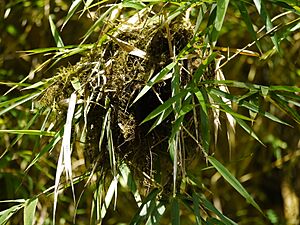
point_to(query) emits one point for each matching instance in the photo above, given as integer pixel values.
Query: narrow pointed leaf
(55, 33)
(175, 213)
(158, 77)
(5, 215)
(233, 181)
(29, 211)
(160, 109)
(30, 132)
(260, 6)
(71, 11)
(218, 23)
(249, 24)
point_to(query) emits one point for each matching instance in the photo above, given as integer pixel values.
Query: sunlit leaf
(160, 109)
(218, 23)
(146, 208)
(30, 132)
(8, 213)
(158, 77)
(260, 6)
(29, 211)
(71, 11)
(55, 33)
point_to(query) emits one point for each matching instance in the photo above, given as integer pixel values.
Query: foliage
(131, 119)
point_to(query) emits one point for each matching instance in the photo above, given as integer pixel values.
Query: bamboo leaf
(161, 118)
(98, 23)
(71, 11)
(22, 99)
(5, 215)
(283, 105)
(249, 24)
(158, 77)
(175, 214)
(57, 137)
(208, 205)
(204, 119)
(145, 208)
(260, 6)
(242, 123)
(218, 23)
(197, 209)
(55, 33)
(30, 132)
(233, 181)
(160, 109)
(29, 211)
(156, 214)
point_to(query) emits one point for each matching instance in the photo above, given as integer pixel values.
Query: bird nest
(108, 79)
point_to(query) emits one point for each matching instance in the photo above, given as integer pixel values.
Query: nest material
(110, 78)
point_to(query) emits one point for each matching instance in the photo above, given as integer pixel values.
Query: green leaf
(55, 34)
(285, 88)
(247, 104)
(22, 99)
(233, 181)
(208, 205)
(260, 6)
(175, 213)
(247, 20)
(161, 118)
(47, 148)
(242, 123)
(162, 108)
(29, 211)
(71, 11)
(156, 214)
(204, 119)
(200, 70)
(218, 23)
(196, 209)
(138, 5)
(145, 208)
(5, 215)
(98, 22)
(158, 77)
(283, 105)
(30, 132)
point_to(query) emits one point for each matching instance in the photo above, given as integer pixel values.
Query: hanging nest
(108, 79)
